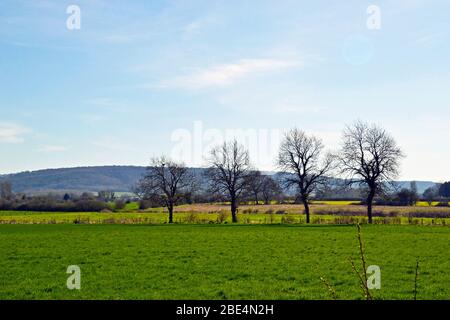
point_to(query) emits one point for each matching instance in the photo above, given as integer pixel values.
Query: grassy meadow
(219, 261)
(270, 254)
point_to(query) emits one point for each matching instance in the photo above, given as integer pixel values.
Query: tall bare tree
(302, 156)
(229, 171)
(166, 181)
(369, 157)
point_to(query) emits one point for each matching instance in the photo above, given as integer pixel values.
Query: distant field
(218, 261)
(322, 213)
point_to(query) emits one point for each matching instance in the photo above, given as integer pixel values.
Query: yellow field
(318, 208)
(332, 212)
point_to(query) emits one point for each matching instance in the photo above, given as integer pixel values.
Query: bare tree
(369, 157)
(431, 194)
(302, 156)
(167, 181)
(139, 189)
(106, 195)
(270, 189)
(255, 185)
(6, 192)
(229, 171)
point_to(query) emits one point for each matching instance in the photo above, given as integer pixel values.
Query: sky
(139, 79)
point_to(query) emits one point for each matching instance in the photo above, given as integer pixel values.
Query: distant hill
(421, 185)
(82, 179)
(94, 179)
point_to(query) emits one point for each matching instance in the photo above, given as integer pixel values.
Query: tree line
(367, 163)
(369, 157)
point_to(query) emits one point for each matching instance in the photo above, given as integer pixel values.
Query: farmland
(218, 261)
(335, 212)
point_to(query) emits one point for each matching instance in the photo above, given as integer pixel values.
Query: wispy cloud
(92, 118)
(227, 74)
(202, 24)
(53, 148)
(125, 38)
(430, 37)
(101, 102)
(298, 109)
(109, 104)
(12, 133)
(111, 144)
(192, 27)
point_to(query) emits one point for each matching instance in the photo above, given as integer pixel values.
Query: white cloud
(12, 133)
(53, 148)
(227, 74)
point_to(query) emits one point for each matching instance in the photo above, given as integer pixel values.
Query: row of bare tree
(369, 157)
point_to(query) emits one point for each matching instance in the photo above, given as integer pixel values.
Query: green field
(218, 261)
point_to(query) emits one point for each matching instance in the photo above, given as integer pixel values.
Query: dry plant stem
(361, 252)
(363, 278)
(416, 278)
(330, 288)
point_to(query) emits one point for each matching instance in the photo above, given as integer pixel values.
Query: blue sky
(137, 73)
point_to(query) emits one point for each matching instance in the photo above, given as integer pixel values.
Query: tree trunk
(234, 209)
(170, 208)
(256, 199)
(369, 205)
(306, 205)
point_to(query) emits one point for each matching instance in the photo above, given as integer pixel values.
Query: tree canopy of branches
(255, 185)
(302, 156)
(444, 190)
(407, 197)
(6, 190)
(166, 181)
(229, 171)
(369, 157)
(270, 189)
(430, 194)
(106, 195)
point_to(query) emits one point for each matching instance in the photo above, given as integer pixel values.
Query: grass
(218, 261)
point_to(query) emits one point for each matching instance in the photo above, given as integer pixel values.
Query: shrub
(144, 204)
(442, 204)
(90, 205)
(119, 204)
(191, 217)
(287, 219)
(222, 217)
